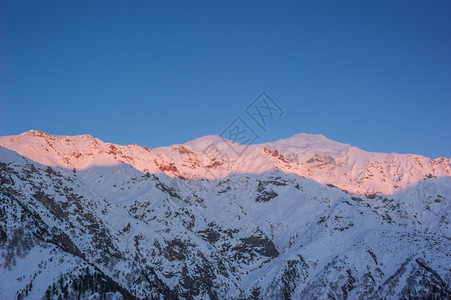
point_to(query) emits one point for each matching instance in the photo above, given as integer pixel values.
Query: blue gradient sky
(375, 74)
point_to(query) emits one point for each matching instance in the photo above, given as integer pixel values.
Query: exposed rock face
(122, 232)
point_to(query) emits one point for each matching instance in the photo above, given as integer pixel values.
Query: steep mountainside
(304, 217)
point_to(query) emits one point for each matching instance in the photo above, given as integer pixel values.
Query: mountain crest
(307, 155)
(299, 218)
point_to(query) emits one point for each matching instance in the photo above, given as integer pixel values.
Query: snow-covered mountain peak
(317, 143)
(203, 142)
(38, 138)
(303, 138)
(309, 155)
(212, 144)
(299, 218)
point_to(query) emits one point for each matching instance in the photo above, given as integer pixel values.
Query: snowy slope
(304, 217)
(310, 156)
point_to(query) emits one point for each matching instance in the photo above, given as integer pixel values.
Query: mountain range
(299, 218)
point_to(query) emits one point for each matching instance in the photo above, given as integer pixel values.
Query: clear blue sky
(375, 74)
